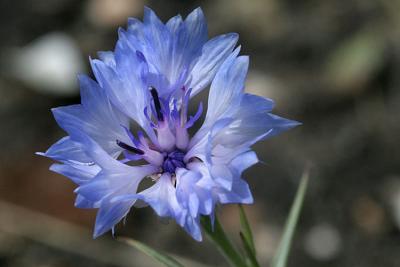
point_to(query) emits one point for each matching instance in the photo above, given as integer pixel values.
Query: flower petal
(115, 178)
(94, 117)
(240, 193)
(129, 94)
(83, 203)
(107, 57)
(252, 123)
(78, 173)
(66, 150)
(192, 197)
(213, 54)
(227, 88)
(192, 227)
(109, 215)
(161, 197)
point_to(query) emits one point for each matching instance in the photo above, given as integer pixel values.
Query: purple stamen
(157, 103)
(194, 118)
(175, 112)
(146, 113)
(131, 136)
(129, 148)
(131, 157)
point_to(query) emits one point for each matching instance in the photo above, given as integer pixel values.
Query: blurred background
(333, 65)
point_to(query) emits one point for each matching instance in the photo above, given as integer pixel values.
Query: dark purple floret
(174, 160)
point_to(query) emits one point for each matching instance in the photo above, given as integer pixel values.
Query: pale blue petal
(157, 50)
(240, 193)
(222, 175)
(194, 198)
(110, 214)
(135, 27)
(83, 203)
(225, 95)
(107, 57)
(196, 25)
(252, 123)
(192, 227)
(174, 24)
(95, 190)
(78, 173)
(97, 153)
(213, 54)
(162, 198)
(128, 93)
(114, 178)
(244, 161)
(94, 117)
(227, 88)
(187, 40)
(66, 150)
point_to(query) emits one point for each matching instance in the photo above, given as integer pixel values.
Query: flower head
(148, 80)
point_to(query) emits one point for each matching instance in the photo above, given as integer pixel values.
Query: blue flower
(148, 81)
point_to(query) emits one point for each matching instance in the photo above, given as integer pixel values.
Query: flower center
(170, 124)
(173, 160)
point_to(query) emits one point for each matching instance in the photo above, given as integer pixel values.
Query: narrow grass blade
(218, 236)
(251, 257)
(246, 230)
(282, 253)
(159, 256)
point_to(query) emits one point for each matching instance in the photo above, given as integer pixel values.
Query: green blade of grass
(252, 260)
(246, 230)
(159, 256)
(246, 237)
(282, 253)
(218, 236)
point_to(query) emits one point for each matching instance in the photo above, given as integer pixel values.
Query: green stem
(218, 236)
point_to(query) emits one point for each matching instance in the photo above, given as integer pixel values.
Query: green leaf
(282, 253)
(218, 236)
(159, 256)
(246, 230)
